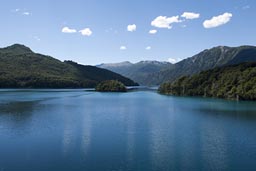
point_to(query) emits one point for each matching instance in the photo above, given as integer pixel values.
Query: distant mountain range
(22, 68)
(138, 72)
(155, 73)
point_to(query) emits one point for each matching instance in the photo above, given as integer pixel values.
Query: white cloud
(190, 15)
(68, 30)
(217, 20)
(173, 60)
(152, 31)
(123, 48)
(15, 10)
(148, 48)
(86, 32)
(26, 13)
(21, 11)
(165, 22)
(131, 27)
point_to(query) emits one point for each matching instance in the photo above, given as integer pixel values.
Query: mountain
(230, 82)
(138, 72)
(207, 59)
(116, 65)
(17, 49)
(20, 67)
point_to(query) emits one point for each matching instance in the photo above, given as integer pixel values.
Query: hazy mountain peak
(120, 64)
(137, 71)
(153, 62)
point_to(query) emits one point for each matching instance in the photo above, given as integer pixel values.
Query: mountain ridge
(20, 67)
(204, 60)
(136, 71)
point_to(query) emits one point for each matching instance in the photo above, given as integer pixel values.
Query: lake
(140, 130)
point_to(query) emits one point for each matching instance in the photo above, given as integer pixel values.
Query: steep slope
(207, 59)
(138, 72)
(22, 68)
(100, 74)
(230, 82)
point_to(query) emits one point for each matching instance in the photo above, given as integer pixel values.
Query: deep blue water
(79, 130)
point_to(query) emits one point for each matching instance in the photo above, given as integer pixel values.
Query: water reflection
(231, 109)
(131, 133)
(17, 108)
(18, 114)
(86, 133)
(68, 135)
(214, 147)
(69, 132)
(160, 140)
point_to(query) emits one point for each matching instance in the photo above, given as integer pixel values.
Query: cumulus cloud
(190, 15)
(131, 27)
(217, 20)
(68, 30)
(152, 31)
(123, 48)
(173, 60)
(165, 22)
(148, 48)
(86, 32)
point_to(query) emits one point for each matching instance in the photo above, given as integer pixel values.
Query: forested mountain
(207, 59)
(22, 68)
(230, 82)
(138, 72)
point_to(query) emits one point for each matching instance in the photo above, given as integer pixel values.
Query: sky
(92, 32)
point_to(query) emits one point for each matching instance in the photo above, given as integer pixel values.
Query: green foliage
(22, 68)
(230, 82)
(111, 86)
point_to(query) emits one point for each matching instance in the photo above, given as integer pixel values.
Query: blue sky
(96, 31)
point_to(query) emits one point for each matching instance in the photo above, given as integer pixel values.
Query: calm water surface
(78, 130)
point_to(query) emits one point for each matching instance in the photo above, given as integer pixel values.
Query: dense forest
(22, 68)
(230, 82)
(111, 86)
